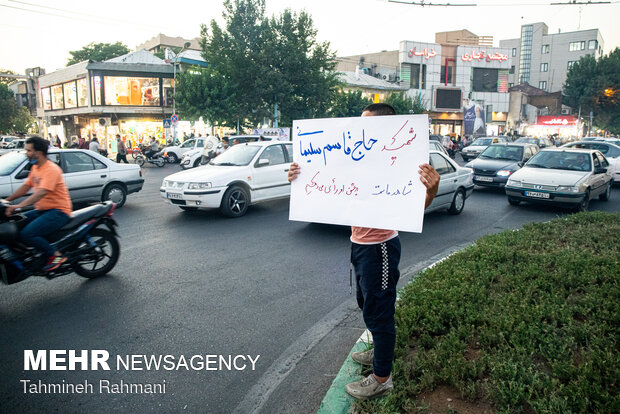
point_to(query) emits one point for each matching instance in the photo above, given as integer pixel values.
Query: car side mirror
(262, 162)
(600, 170)
(23, 174)
(521, 163)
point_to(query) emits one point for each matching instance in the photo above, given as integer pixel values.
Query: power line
(423, 3)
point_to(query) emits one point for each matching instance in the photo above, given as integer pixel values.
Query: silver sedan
(89, 176)
(455, 184)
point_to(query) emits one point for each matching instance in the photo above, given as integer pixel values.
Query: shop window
(46, 99)
(131, 91)
(544, 67)
(57, 98)
(96, 90)
(485, 80)
(82, 92)
(70, 94)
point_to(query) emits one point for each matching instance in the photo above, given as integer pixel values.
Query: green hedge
(526, 321)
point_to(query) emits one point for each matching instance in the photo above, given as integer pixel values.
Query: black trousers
(121, 157)
(376, 274)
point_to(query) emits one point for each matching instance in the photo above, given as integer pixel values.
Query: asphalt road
(197, 283)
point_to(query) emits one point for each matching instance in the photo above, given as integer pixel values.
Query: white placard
(361, 171)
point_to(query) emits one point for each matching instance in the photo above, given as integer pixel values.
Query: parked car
(480, 144)
(542, 142)
(191, 159)
(15, 145)
(609, 150)
(243, 175)
(6, 140)
(437, 146)
(175, 152)
(563, 177)
(455, 185)
(615, 141)
(89, 176)
(496, 163)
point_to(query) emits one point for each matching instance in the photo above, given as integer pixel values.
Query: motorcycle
(89, 242)
(157, 159)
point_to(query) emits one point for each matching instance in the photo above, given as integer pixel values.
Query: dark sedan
(496, 163)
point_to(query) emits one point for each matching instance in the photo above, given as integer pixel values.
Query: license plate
(536, 194)
(176, 196)
(485, 179)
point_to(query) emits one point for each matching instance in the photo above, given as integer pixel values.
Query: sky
(39, 33)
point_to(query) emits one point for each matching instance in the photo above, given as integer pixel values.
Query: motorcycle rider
(153, 149)
(50, 198)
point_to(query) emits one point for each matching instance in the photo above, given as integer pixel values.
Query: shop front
(565, 127)
(446, 123)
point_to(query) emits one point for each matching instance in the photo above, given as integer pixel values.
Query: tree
(97, 52)
(594, 86)
(348, 103)
(254, 62)
(405, 105)
(7, 80)
(8, 109)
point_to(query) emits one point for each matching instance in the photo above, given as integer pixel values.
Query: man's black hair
(380, 109)
(225, 139)
(38, 143)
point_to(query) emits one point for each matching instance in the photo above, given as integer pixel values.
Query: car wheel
(115, 193)
(185, 208)
(458, 202)
(197, 162)
(513, 201)
(140, 160)
(235, 202)
(172, 158)
(605, 196)
(585, 202)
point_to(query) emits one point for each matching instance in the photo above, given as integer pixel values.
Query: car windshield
(240, 154)
(10, 161)
(482, 142)
(561, 160)
(527, 141)
(503, 152)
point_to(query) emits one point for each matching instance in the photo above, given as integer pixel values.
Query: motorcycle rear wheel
(108, 251)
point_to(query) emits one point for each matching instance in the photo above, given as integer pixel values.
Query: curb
(336, 400)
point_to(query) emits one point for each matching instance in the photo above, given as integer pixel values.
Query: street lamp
(174, 91)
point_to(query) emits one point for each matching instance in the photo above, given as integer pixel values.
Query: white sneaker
(369, 387)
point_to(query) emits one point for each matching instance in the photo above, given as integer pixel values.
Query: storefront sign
(425, 53)
(482, 55)
(559, 120)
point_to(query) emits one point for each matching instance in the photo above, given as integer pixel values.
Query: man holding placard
(348, 182)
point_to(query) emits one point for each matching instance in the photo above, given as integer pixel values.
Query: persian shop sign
(482, 55)
(425, 53)
(556, 120)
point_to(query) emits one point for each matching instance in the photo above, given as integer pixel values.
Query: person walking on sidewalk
(121, 155)
(375, 255)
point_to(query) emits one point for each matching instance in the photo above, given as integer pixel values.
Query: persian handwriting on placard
(425, 53)
(299, 133)
(408, 142)
(385, 190)
(358, 152)
(331, 187)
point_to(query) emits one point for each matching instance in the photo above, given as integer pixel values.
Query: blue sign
(174, 119)
(167, 123)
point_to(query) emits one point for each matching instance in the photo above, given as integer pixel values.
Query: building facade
(543, 60)
(129, 95)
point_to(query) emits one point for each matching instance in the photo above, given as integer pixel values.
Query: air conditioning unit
(565, 111)
(105, 121)
(385, 77)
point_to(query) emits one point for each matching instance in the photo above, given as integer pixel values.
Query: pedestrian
(375, 255)
(224, 146)
(94, 145)
(121, 155)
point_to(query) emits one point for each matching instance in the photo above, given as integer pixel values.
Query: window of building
(96, 87)
(57, 98)
(545, 49)
(544, 67)
(592, 44)
(415, 76)
(423, 79)
(82, 92)
(449, 78)
(510, 85)
(448, 99)
(542, 85)
(46, 99)
(514, 51)
(485, 80)
(70, 94)
(570, 64)
(120, 90)
(512, 69)
(574, 46)
(167, 85)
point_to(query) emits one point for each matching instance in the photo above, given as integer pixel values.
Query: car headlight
(514, 183)
(568, 188)
(198, 186)
(165, 184)
(504, 173)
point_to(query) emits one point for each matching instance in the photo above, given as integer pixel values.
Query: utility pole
(275, 112)
(590, 125)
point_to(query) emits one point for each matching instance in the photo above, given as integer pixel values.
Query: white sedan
(243, 175)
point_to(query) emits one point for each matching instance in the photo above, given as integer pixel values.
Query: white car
(480, 144)
(5, 140)
(609, 150)
(243, 175)
(192, 158)
(175, 152)
(455, 185)
(89, 176)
